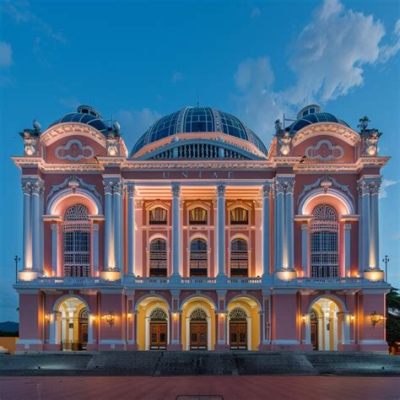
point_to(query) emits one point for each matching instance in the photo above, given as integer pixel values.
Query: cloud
(177, 77)
(135, 122)
(328, 58)
(5, 54)
(21, 12)
(386, 183)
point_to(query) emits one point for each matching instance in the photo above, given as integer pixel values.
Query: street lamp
(386, 260)
(17, 260)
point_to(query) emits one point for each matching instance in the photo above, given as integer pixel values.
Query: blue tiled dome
(314, 118)
(198, 119)
(85, 115)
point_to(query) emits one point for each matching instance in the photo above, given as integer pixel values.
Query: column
(289, 224)
(117, 206)
(90, 329)
(138, 252)
(364, 202)
(54, 248)
(347, 249)
(108, 235)
(176, 230)
(265, 229)
(95, 249)
(304, 248)
(131, 230)
(37, 188)
(307, 329)
(279, 225)
(221, 230)
(374, 228)
(27, 228)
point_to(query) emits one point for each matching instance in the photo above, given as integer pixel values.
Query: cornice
(337, 130)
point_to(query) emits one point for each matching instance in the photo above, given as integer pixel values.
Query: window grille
(324, 242)
(76, 241)
(158, 257)
(239, 216)
(198, 216)
(158, 216)
(198, 315)
(238, 314)
(158, 315)
(239, 258)
(198, 257)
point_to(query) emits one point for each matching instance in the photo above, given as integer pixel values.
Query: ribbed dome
(198, 119)
(85, 115)
(313, 118)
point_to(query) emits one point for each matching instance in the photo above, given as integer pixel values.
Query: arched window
(198, 315)
(198, 216)
(76, 241)
(158, 257)
(239, 216)
(158, 216)
(198, 257)
(239, 258)
(324, 242)
(158, 315)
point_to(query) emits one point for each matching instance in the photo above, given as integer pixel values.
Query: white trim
(373, 341)
(285, 341)
(112, 341)
(29, 341)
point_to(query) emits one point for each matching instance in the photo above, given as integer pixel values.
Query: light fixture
(47, 317)
(110, 318)
(129, 315)
(375, 318)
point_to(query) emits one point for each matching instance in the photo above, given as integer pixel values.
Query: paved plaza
(200, 388)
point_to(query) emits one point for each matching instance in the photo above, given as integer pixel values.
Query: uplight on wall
(376, 318)
(110, 318)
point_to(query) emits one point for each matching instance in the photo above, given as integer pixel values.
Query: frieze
(324, 150)
(74, 150)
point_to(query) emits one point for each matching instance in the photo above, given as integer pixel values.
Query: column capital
(26, 187)
(221, 188)
(131, 189)
(267, 189)
(284, 184)
(108, 186)
(37, 187)
(176, 189)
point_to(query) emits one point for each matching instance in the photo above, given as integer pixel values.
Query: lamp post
(386, 260)
(17, 260)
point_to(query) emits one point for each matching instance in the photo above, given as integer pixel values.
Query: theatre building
(201, 237)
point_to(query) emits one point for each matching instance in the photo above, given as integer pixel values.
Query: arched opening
(158, 329)
(239, 259)
(198, 216)
(238, 330)
(239, 216)
(326, 326)
(158, 216)
(198, 330)
(324, 242)
(158, 258)
(198, 257)
(72, 324)
(76, 241)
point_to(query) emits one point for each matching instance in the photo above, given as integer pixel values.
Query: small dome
(198, 119)
(312, 115)
(85, 115)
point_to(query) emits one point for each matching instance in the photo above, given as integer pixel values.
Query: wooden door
(198, 336)
(158, 335)
(238, 335)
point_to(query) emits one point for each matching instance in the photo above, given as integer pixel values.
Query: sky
(135, 61)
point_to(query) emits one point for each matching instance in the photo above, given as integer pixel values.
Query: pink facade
(201, 238)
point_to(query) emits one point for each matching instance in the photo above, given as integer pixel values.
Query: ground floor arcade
(282, 319)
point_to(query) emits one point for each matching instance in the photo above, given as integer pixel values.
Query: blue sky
(138, 60)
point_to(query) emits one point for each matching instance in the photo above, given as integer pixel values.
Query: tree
(393, 321)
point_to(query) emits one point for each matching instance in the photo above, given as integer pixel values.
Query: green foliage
(392, 322)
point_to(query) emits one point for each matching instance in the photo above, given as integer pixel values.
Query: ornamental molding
(66, 129)
(74, 150)
(74, 182)
(317, 184)
(324, 150)
(336, 130)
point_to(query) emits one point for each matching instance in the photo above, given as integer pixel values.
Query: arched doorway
(72, 324)
(238, 333)
(325, 326)
(158, 329)
(198, 330)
